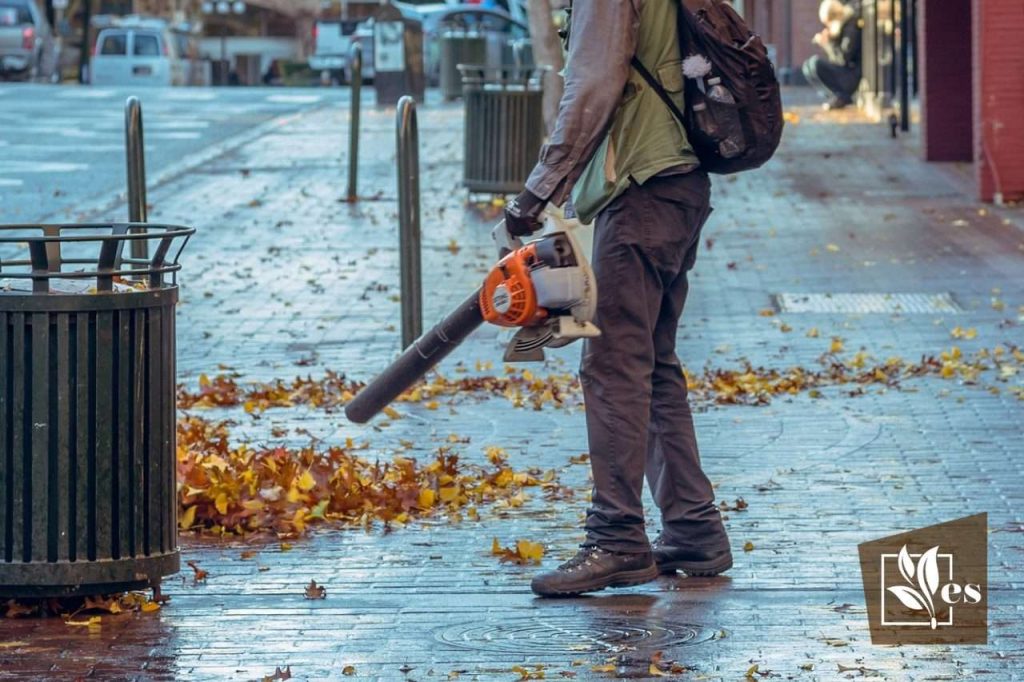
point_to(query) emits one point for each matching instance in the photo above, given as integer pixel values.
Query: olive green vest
(645, 138)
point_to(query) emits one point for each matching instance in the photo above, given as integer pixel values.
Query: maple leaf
(314, 591)
(525, 552)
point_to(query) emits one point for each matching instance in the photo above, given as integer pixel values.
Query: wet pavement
(284, 279)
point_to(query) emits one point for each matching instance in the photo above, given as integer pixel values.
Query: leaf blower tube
(417, 360)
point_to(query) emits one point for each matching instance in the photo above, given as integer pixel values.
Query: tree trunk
(547, 51)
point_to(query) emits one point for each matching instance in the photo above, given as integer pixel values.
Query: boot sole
(622, 579)
(698, 569)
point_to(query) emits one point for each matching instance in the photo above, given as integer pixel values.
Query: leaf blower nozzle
(416, 361)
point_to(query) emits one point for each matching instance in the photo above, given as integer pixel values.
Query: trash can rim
(164, 230)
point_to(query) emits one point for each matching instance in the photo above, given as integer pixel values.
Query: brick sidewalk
(283, 279)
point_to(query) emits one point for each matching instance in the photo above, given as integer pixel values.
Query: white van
(136, 55)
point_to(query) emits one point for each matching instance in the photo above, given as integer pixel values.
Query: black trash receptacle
(88, 499)
(459, 47)
(504, 126)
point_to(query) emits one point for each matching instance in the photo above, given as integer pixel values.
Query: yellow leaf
(606, 668)
(496, 547)
(432, 405)
(348, 670)
(530, 551)
(150, 606)
(834, 248)
(204, 381)
(748, 546)
(813, 333)
(95, 620)
(392, 412)
(221, 503)
(837, 345)
(449, 494)
(306, 481)
(427, 498)
(504, 477)
(187, 519)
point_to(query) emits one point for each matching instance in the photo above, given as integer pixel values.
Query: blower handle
(418, 359)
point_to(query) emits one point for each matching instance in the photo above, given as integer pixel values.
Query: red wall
(944, 53)
(999, 97)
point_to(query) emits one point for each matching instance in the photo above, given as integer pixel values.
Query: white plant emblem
(923, 578)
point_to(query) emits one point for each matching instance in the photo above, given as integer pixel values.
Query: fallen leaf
(199, 574)
(314, 591)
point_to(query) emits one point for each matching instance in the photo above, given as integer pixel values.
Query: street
(844, 251)
(63, 148)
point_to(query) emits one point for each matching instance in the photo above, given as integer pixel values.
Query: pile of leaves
(80, 611)
(237, 489)
(333, 390)
(745, 385)
(751, 385)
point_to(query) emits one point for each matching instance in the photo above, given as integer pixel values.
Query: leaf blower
(545, 287)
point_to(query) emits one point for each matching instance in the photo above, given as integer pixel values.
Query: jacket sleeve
(602, 40)
(845, 49)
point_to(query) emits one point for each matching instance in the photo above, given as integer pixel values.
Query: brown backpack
(733, 112)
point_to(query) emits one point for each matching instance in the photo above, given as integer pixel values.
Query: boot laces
(583, 557)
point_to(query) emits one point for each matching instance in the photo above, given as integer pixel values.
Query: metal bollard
(409, 247)
(135, 152)
(356, 62)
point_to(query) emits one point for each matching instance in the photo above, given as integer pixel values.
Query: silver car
(27, 47)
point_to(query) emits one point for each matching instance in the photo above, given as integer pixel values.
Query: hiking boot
(698, 563)
(594, 569)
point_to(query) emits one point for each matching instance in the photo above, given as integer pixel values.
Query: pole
(83, 55)
(904, 10)
(356, 63)
(409, 220)
(135, 157)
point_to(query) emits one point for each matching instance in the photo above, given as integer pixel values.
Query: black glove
(522, 214)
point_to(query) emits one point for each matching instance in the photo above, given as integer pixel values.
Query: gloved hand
(522, 214)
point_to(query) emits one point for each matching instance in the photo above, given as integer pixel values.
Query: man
(837, 77)
(627, 161)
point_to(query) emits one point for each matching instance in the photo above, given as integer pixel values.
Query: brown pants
(638, 417)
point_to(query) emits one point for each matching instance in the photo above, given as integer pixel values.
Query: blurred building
(960, 61)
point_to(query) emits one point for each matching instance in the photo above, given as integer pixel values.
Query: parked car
(28, 49)
(142, 52)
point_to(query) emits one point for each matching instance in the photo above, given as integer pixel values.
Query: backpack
(733, 111)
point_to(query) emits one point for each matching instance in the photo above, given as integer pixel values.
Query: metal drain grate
(581, 633)
(848, 303)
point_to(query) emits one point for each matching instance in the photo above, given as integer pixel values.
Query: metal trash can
(518, 52)
(504, 126)
(459, 47)
(88, 500)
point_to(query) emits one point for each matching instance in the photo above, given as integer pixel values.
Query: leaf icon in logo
(906, 565)
(928, 578)
(909, 596)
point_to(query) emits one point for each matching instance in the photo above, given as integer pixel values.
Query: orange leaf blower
(545, 288)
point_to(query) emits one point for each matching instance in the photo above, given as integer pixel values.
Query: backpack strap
(660, 89)
(655, 84)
